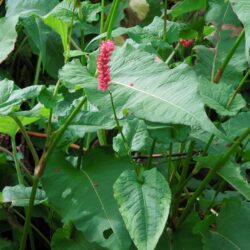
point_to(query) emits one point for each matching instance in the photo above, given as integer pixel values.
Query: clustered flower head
(104, 78)
(186, 43)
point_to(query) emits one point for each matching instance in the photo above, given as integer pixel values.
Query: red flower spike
(186, 43)
(104, 78)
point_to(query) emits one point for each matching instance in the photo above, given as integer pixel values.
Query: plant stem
(102, 17)
(118, 125)
(80, 152)
(211, 174)
(26, 171)
(151, 154)
(222, 68)
(33, 226)
(237, 90)
(109, 16)
(172, 54)
(26, 137)
(18, 169)
(28, 214)
(112, 18)
(185, 169)
(165, 20)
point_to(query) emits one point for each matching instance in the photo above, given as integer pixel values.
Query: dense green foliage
(160, 160)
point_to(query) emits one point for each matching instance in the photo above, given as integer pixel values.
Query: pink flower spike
(104, 78)
(186, 43)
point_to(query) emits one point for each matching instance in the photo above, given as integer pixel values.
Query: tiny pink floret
(104, 78)
(186, 43)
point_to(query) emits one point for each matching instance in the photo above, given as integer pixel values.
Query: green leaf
(216, 96)
(15, 9)
(20, 195)
(186, 6)
(59, 19)
(242, 9)
(136, 135)
(6, 245)
(143, 206)
(62, 240)
(230, 172)
(10, 98)
(28, 7)
(184, 237)
(43, 40)
(144, 87)
(210, 59)
(86, 199)
(234, 214)
(8, 125)
(8, 35)
(236, 125)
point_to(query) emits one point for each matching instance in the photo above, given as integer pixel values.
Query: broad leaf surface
(86, 197)
(10, 98)
(20, 195)
(230, 172)
(217, 97)
(187, 6)
(143, 206)
(242, 9)
(146, 88)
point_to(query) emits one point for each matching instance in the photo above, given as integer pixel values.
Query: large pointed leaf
(146, 88)
(242, 9)
(86, 197)
(143, 206)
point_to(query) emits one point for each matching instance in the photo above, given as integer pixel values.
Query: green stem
(109, 16)
(169, 161)
(165, 20)
(26, 171)
(172, 54)
(185, 169)
(102, 18)
(26, 137)
(229, 56)
(18, 169)
(40, 168)
(101, 134)
(112, 18)
(80, 153)
(151, 154)
(237, 90)
(38, 67)
(28, 214)
(211, 174)
(33, 227)
(118, 125)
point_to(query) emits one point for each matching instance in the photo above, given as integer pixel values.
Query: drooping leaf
(8, 125)
(242, 9)
(15, 9)
(217, 97)
(144, 206)
(85, 197)
(186, 6)
(43, 40)
(20, 195)
(8, 35)
(59, 20)
(11, 98)
(144, 87)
